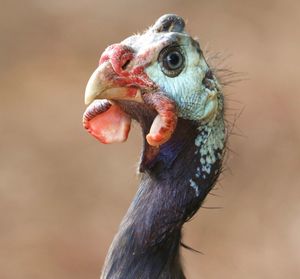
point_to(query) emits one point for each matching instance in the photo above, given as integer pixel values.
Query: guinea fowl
(161, 79)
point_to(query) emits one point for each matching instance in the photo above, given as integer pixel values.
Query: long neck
(172, 189)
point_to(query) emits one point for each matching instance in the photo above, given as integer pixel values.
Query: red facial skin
(121, 74)
(166, 110)
(119, 55)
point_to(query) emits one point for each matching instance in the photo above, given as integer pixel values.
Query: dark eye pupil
(173, 59)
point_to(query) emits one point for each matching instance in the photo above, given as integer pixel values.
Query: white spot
(195, 187)
(209, 141)
(206, 168)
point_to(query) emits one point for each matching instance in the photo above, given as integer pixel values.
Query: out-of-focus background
(62, 194)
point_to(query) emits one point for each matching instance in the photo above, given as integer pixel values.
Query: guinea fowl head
(161, 79)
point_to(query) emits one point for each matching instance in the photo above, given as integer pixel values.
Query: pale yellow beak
(100, 87)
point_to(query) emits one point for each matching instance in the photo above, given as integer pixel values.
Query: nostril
(125, 64)
(120, 57)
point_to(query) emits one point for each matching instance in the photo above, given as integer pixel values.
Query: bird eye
(171, 61)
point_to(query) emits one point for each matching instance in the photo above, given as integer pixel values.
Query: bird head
(157, 78)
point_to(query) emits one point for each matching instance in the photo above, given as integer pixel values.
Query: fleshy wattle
(106, 122)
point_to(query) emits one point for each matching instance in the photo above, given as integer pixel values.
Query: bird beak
(106, 121)
(101, 85)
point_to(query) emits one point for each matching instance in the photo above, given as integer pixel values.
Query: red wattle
(109, 126)
(165, 122)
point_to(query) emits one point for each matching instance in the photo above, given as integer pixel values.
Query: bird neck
(173, 186)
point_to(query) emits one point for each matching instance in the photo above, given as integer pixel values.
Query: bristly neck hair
(172, 188)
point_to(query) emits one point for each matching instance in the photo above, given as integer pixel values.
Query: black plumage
(148, 242)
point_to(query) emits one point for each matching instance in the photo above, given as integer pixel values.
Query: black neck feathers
(173, 186)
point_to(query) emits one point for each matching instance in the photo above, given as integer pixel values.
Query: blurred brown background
(62, 194)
